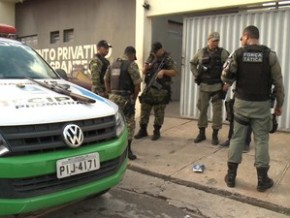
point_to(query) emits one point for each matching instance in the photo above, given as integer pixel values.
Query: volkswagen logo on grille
(73, 135)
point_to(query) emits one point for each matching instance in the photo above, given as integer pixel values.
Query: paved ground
(173, 156)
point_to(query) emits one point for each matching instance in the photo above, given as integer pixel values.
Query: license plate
(77, 165)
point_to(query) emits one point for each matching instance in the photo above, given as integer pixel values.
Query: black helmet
(274, 124)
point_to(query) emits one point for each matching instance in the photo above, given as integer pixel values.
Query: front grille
(29, 139)
(35, 186)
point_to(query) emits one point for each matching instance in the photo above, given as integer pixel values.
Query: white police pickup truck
(58, 142)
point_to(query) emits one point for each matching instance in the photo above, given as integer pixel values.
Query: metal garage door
(274, 29)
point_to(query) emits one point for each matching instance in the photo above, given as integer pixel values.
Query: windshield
(20, 61)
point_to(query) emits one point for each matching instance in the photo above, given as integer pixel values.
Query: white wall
(162, 10)
(274, 26)
(7, 13)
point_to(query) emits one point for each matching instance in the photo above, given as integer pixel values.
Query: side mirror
(62, 73)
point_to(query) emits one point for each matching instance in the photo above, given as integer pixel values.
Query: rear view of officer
(255, 68)
(123, 82)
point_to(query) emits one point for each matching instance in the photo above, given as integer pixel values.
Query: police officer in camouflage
(123, 82)
(98, 67)
(158, 70)
(255, 68)
(206, 67)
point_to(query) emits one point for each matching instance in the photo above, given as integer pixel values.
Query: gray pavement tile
(175, 153)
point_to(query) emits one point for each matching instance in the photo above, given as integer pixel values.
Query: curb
(211, 190)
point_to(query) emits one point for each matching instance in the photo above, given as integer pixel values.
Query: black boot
(215, 139)
(225, 144)
(264, 182)
(156, 133)
(131, 156)
(201, 135)
(142, 132)
(230, 178)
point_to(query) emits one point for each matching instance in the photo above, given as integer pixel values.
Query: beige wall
(162, 7)
(91, 20)
(7, 13)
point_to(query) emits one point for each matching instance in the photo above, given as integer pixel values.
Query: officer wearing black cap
(255, 68)
(123, 82)
(98, 67)
(159, 68)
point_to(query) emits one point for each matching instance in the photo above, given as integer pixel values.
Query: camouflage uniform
(159, 109)
(98, 67)
(121, 100)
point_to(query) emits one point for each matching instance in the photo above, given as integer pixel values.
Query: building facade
(65, 32)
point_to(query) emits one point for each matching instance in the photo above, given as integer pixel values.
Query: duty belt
(121, 92)
(242, 122)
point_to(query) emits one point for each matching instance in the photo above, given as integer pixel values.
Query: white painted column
(142, 42)
(143, 33)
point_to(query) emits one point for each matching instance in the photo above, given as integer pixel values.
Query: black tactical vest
(212, 66)
(166, 80)
(253, 75)
(120, 77)
(106, 63)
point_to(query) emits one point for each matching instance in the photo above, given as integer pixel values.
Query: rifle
(152, 82)
(273, 97)
(63, 89)
(274, 118)
(129, 108)
(200, 69)
(229, 105)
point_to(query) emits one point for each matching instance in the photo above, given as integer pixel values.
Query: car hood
(24, 102)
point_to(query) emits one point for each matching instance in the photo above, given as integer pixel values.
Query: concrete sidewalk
(172, 158)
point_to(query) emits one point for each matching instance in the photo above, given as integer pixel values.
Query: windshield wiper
(62, 89)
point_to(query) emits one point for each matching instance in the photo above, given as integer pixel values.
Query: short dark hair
(155, 47)
(130, 50)
(104, 44)
(252, 31)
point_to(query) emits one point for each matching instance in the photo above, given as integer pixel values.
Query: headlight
(3, 146)
(120, 123)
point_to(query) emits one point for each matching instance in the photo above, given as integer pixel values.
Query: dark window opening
(54, 37)
(68, 35)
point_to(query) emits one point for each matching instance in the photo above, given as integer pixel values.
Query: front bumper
(29, 183)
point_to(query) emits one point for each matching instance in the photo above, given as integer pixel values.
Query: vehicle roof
(10, 41)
